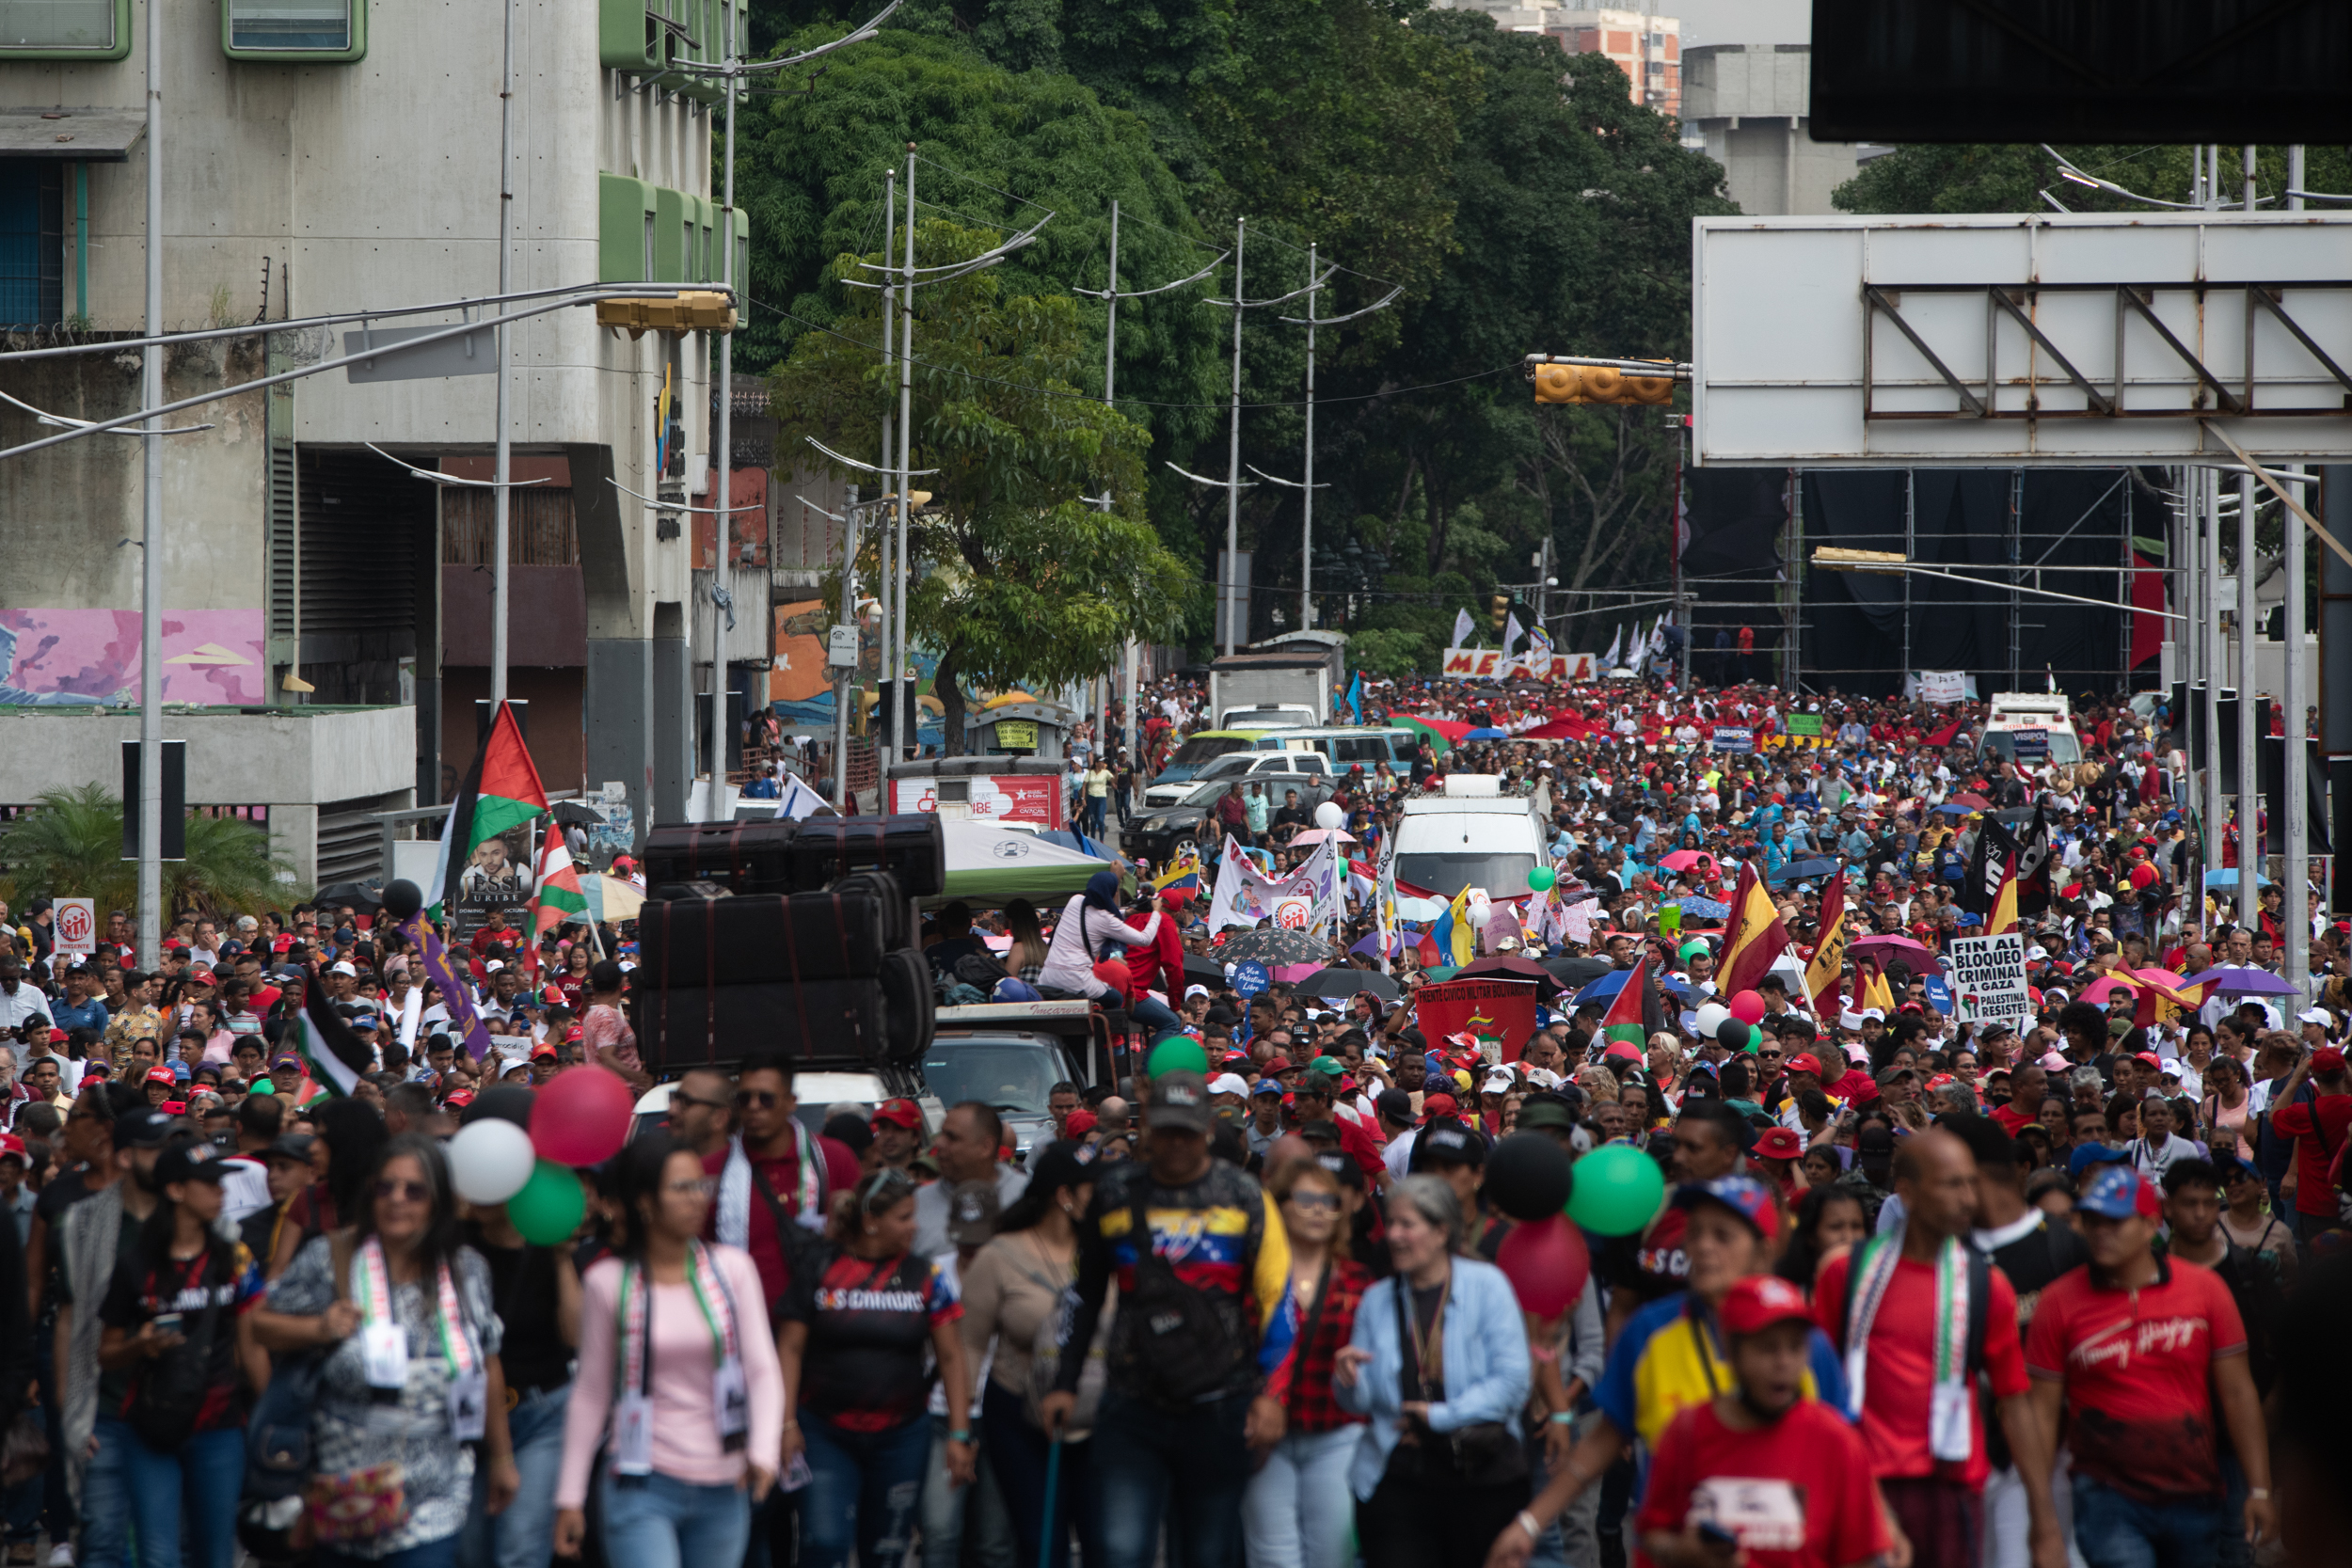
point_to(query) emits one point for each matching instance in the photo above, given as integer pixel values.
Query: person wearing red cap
(898, 1129)
(2145, 1357)
(2316, 1115)
(1765, 1470)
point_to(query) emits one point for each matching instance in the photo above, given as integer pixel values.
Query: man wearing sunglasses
(774, 1172)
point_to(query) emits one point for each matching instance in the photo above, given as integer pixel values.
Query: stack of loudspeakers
(792, 937)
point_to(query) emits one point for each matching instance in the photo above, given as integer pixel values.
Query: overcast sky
(1740, 21)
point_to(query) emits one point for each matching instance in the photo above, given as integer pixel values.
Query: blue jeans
(1094, 815)
(1298, 1512)
(1145, 1458)
(524, 1535)
(106, 1498)
(1154, 1014)
(862, 1491)
(204, 1472)
(1017, 1455)
(2112, 1531)
(424, 1554)
(666, 1523)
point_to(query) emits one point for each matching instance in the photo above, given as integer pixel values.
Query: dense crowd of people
(1820, 1271)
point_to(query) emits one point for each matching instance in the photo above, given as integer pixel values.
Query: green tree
(71, 847)
(1391, 655)
(1023, 582)
(1969, 178)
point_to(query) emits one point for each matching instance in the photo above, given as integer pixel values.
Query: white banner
(1943, 686)
(1492, 664)
(1988, 980)
(76, 927)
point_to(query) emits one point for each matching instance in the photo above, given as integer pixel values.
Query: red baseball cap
(1758, 1301)
(11, 1143)
(2150, 1057)
(1804, 1061)
(161, 1075)
(574, 1035)
(1279, 1063)
(2328, 1059)
(1078, 1124)
(1438, 1106)
(1779, 1142)
(897, 1112)
(463, 1096)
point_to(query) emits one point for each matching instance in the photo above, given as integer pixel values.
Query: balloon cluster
(1613, 1191)
(521, 1147)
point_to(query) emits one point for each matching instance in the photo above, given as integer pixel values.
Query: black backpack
(169, 1395)
(1185, 1352)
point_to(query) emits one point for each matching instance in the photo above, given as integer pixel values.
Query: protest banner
(1732, 737)
(1501, 1013)
(1989, 980)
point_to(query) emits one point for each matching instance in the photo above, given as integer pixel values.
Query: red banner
(993, 798)
(1503, 1011)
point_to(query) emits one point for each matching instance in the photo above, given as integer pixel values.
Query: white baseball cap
(1229, 1083)
(1499, 1081)
(343, 967)
(1191, 991)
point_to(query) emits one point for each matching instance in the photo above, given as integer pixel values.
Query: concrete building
(336, 156)
(1647, 48)
(1749, 108)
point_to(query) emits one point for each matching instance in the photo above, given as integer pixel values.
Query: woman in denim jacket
(1441, 1371)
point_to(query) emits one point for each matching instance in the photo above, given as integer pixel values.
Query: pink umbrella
(1688, 859)
(1317, 835)
(1886, 947)
(2104, 990)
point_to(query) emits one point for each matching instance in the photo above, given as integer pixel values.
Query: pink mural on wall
(59, 657)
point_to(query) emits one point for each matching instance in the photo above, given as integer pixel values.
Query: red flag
(1829, 953)
(1754, 936)
(1946, 735)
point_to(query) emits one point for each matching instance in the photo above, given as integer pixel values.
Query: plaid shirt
(1309, 1404)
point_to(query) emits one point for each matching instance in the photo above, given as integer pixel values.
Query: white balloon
(490, 1160)
(1328, 815)
(1710, 1018)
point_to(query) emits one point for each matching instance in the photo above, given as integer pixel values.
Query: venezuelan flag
(1455, 936)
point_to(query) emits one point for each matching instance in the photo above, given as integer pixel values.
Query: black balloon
(506, 1101)
(1528, 1176)
(1731, 1034)
(402, 899)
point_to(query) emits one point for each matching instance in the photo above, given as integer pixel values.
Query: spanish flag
(2003, 919)
(1753, 937)
(1829, 952)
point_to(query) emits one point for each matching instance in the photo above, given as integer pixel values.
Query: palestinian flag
(502, 791)
(336, 1057)
(1623, 1019)
(555, 897)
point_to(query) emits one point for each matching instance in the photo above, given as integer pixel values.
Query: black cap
(1397, 1106)
(290, 1146)
(1447, 1139)
(190, 1162)
(1180, 1101)
(144, 1128)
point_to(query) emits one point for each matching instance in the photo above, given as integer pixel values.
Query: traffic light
(1499, 610)
(1602, 384)
(687, 310)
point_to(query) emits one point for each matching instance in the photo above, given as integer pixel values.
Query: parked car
(1160, 832)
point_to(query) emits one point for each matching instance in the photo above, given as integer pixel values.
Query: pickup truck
(1010, 1054)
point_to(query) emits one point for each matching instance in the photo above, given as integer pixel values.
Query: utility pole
(151, 801)
(722, 455)
(1229, 589)
(902, 690)
(845, 680)
(2252, 717)
(1307, 491)
(501, 498)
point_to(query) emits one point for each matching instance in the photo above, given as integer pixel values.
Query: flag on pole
(1455, 932)
(800, 800)
(336, 1058)
(1608, 659)
(1461, 629)
(555, 893)
(1753, 937)
(1871, 990)
(1355, 699)
(1622, 1021)
(502, 791)
(1512, 631)
(457, 988)
(1829, 953)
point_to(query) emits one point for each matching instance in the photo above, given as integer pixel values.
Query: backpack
(1184, 1352)
(168, 1394)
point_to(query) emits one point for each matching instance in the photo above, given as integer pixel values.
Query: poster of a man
(497, 877)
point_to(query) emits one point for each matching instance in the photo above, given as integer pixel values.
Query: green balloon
(1541, 879)
(1176, 1054)
(1756, 1040)
(1617, 1190)
(549, 1207)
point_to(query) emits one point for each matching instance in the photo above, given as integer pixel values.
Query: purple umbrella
(2236, 980)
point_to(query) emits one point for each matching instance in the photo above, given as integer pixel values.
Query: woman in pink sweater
(679, 1371)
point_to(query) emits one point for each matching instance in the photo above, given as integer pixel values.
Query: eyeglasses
(747, 1099)
(404, 1191)
(699, 1187)
(1328, 1202)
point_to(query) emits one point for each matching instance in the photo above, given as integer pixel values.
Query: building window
(306, 29)
(32, 241)
(68, 29)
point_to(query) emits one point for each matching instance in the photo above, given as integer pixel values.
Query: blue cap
(2088, 1155)
(1268, 1086)
(1743, 1196)
(2115, 1192)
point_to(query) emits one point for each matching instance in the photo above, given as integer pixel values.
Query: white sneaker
(61, 1555)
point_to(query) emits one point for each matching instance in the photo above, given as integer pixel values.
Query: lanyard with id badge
(384, 1345)
(730, 1398)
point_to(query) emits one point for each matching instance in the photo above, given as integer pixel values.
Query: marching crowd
(1804, 1270)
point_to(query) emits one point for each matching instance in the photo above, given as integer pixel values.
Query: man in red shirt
(2317, 1122)
(774, 1169)
(2146, 1356)
(1899, 1308)
(2026, 1086)
(1761, 1474)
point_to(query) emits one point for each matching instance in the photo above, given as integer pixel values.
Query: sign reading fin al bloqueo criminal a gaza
(1989, 980)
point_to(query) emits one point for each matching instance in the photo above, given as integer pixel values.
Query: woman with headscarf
(1090, 928)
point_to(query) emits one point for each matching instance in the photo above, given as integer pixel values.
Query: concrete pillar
(617, 697)
(672, 713)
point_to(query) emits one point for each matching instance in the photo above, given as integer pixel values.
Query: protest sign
(1501, 1013)
(1989, 980)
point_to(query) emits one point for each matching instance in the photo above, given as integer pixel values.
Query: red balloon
(1748, 1007)
(1547, 1265)
(582, 1115)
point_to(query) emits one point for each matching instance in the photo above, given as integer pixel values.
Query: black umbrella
(1347, 982)
(1206, 971)
(1275, 947)
(1579, 972)
(359, 895)
(573, 813)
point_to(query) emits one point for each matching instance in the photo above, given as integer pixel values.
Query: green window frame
(625, 208)
(24, 37)
(247, 25)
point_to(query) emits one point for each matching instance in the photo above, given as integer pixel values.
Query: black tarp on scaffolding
(1732, 522)
(1970, 521)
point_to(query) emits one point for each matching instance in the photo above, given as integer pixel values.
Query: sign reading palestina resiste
(1500, 1014)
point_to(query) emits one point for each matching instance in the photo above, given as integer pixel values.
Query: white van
(2039, 724)
(1471, 835)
